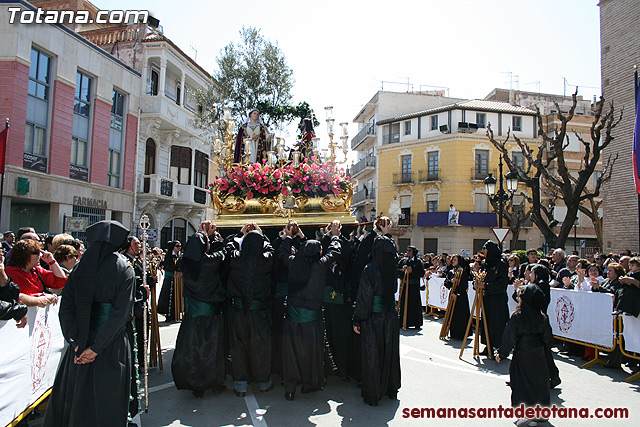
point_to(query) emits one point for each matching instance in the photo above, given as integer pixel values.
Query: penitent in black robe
(198, 360)
(529, 332)
(414, 302)
(97, 393)
(303, 335)
(460, 316)
(495, 295)
(379, 331)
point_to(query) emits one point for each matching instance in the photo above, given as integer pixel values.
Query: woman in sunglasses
(23, 266)
(67, 257)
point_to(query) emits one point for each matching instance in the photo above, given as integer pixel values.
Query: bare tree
(546, 174)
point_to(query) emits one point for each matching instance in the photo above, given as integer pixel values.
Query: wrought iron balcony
(365, 132)
(363, 196)
(428, 175)
(367, 162)
(403, 178)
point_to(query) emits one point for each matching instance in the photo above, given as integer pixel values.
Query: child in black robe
(529, 332)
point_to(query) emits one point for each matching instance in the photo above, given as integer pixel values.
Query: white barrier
(580, 316)
(28, 360)
(631, 333)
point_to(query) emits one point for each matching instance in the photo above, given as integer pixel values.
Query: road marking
(257, 413)
(161, 387)
(456, 364)
(467, 370)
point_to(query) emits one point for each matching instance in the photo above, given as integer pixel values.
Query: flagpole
(635, 87)
(4, 156)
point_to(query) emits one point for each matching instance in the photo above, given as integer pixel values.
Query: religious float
(286, 184)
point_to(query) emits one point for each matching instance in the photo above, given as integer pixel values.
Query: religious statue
(305, 145)
(394, 210)
(254, 136)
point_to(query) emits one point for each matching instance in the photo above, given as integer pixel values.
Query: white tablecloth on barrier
(28, 360)
(631, 332)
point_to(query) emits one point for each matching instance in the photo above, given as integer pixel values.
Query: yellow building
(431, 160)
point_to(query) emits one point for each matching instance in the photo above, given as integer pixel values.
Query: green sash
(196, 308)
(332, 295)
(99, 315)
(302, 315)
(378, 305)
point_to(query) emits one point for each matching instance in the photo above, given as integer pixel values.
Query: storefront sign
(89, 202)
(34, 162)
(79, 172)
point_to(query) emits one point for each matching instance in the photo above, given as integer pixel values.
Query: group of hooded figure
(302, 308)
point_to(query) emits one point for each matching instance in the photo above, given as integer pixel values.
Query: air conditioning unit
(444, 129)
(473, 127)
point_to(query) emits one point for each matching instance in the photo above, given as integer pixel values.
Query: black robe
(460, 316)
(167, 298)
(530, 334)
(250, 330)
(97, 393)
(495, 297)
(380, 335)
(199, 357)
(303, 341)
(414, 302)
(338, 297)
(280, 288)
(361, 256)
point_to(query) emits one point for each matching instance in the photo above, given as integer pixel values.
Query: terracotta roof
(472, 104)
(157, 37)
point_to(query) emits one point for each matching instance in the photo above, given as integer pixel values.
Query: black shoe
(289, 395)
(240, 393)
(219, 388)
(268, 389)
(508, 383)
(555, 382)
(484, 352)
(370, 402)
(198, 393)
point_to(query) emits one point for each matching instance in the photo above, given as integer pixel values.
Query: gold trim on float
(233, 211)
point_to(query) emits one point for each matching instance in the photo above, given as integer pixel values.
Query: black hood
(493, 252)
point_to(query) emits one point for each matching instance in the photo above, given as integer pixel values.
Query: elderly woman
(23, 266)
(67, 257)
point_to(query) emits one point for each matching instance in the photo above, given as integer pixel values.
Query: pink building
(74, 113)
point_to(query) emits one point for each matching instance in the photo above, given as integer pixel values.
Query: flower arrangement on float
(263, 180)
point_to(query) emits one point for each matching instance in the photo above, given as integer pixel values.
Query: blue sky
(342, 51)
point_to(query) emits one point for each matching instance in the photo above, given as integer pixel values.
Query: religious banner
(582, 316)
(631, 333)
(28, 360)
(438, 293)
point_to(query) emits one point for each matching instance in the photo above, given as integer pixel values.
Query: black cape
(96, 393)
(198, 359)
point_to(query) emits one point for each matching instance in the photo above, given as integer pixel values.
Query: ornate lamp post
(501, 197)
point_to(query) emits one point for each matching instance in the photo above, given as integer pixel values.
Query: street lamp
(502, 196)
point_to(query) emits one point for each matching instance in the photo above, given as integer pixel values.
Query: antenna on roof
(195, 52)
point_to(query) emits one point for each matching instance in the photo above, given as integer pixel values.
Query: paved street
(432, 377)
